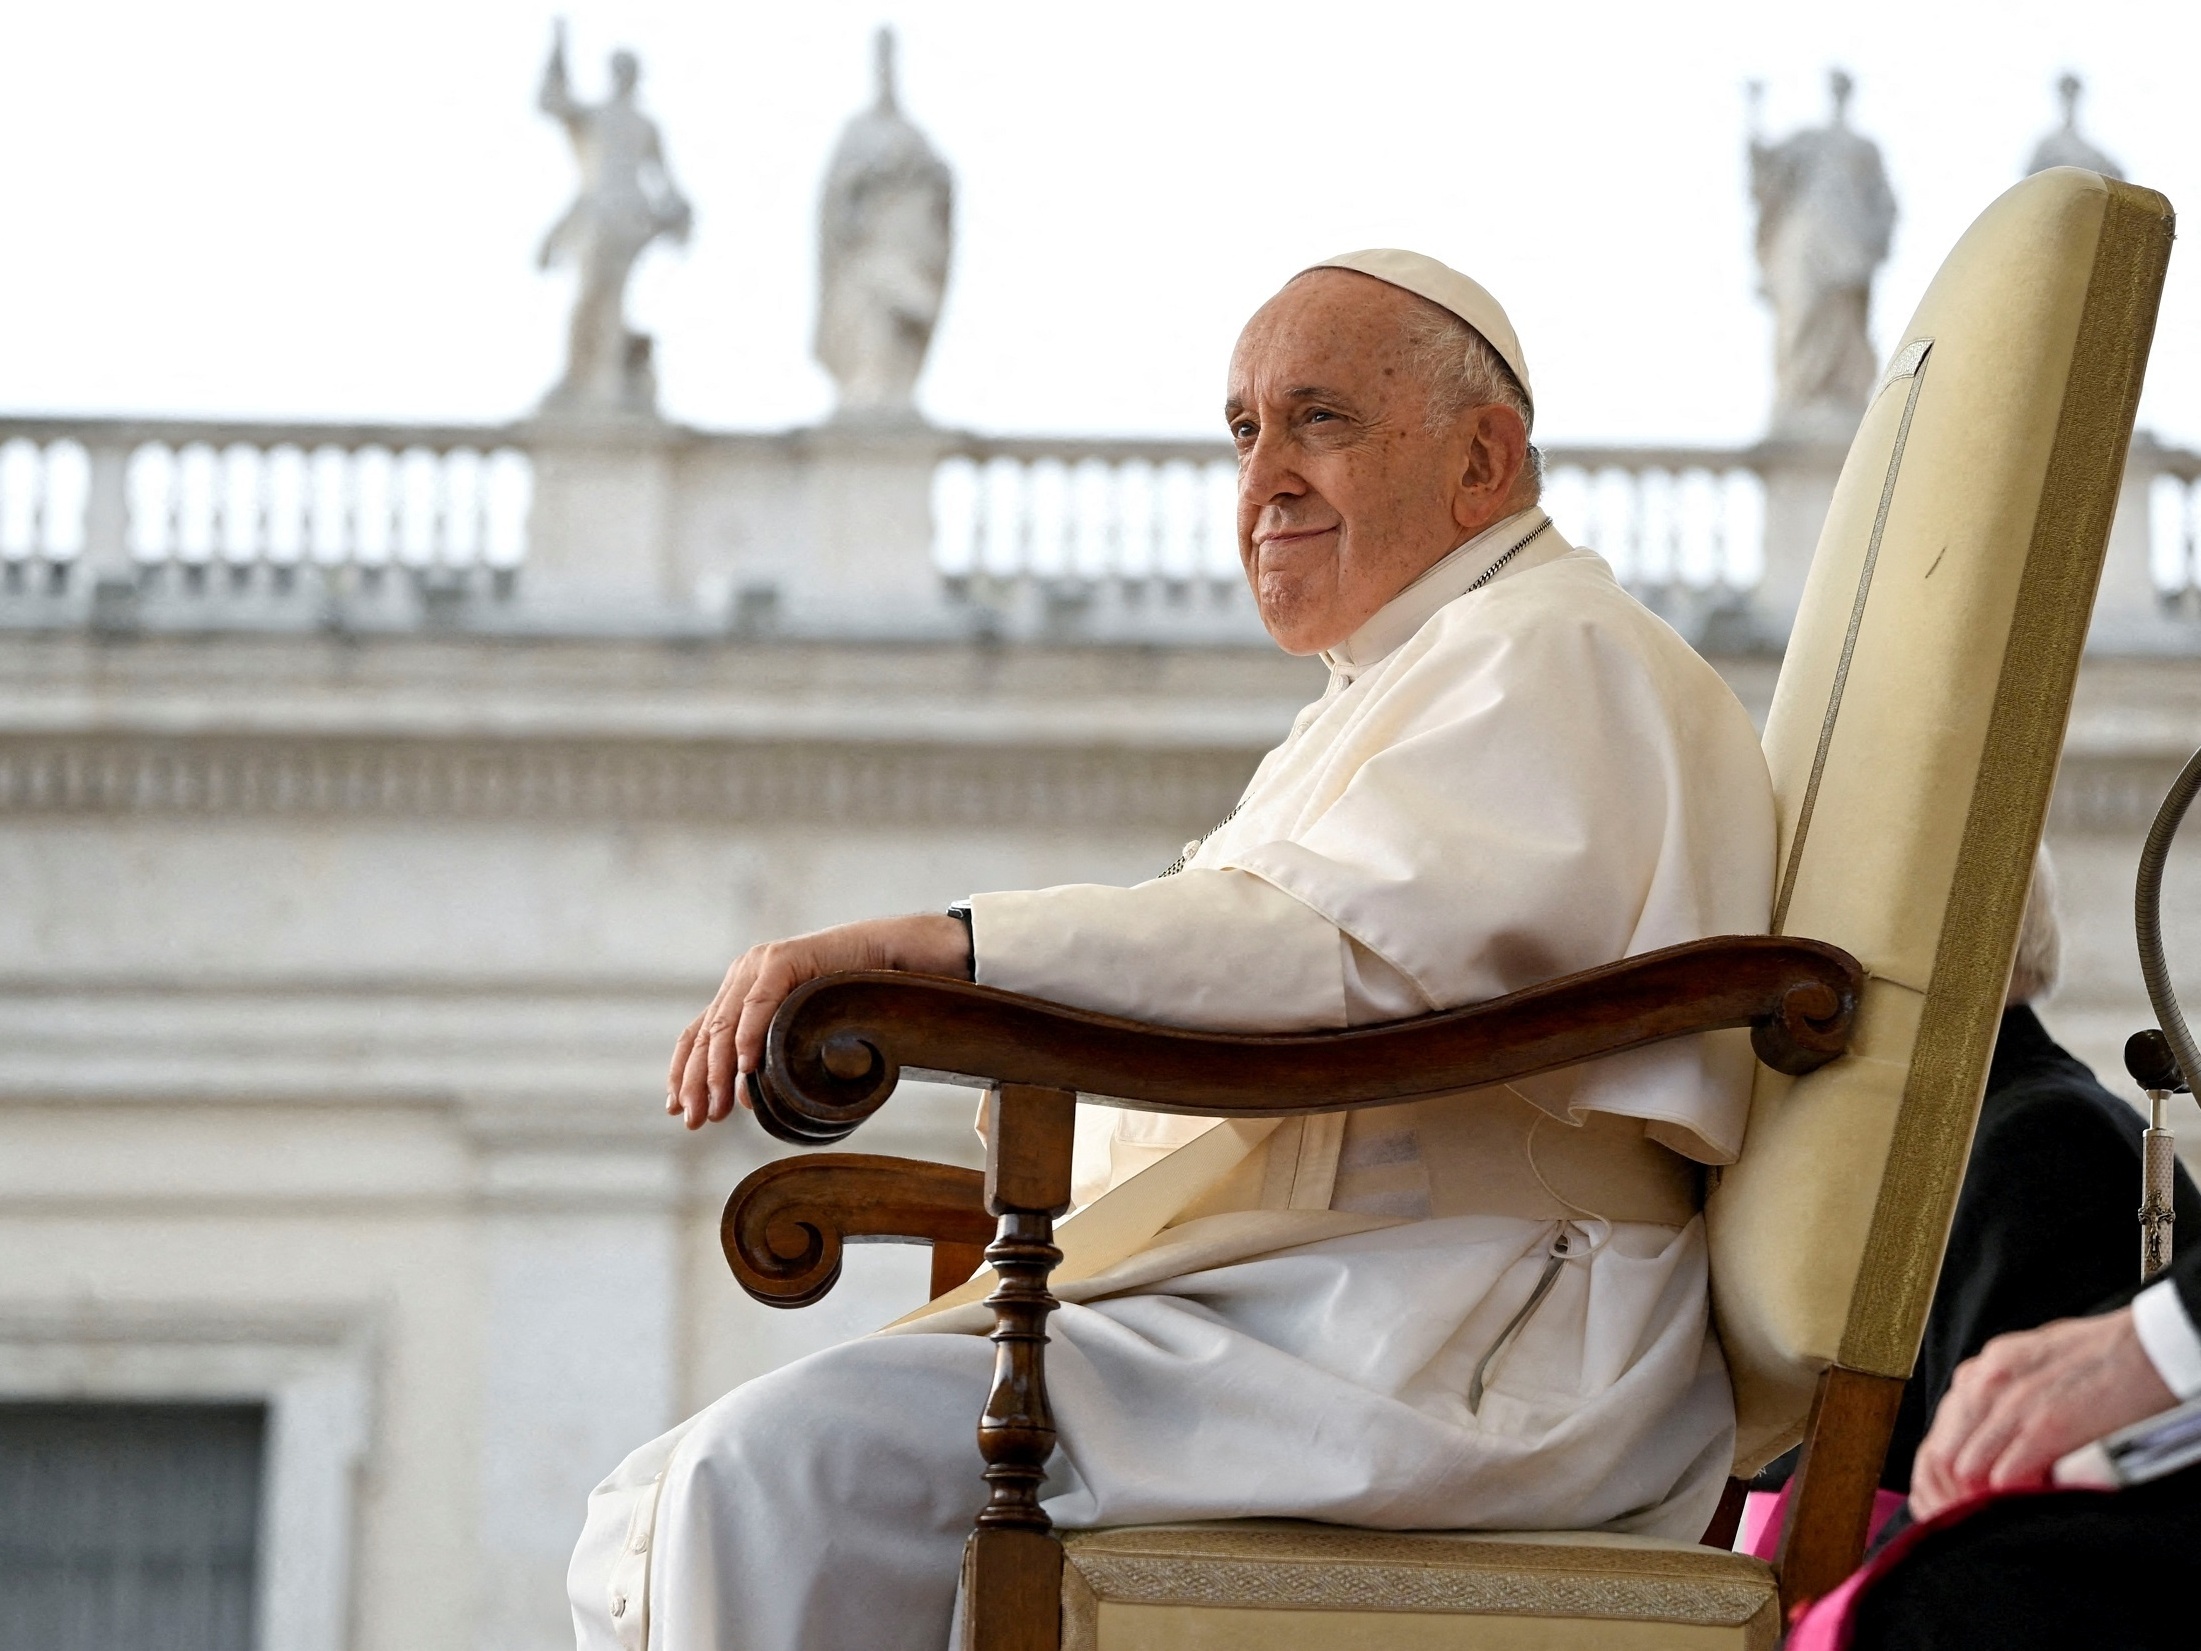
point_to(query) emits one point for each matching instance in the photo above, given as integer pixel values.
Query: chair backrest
(1913, 742)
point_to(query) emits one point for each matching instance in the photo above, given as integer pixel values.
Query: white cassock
(1510, 777)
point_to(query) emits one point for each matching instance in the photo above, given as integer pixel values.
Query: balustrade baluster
(441, 550)
(106, 551)
(393, 529)
(172, 516)
(349, 535)
(40, 465)
(480, 516)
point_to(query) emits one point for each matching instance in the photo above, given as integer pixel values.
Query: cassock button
(618, 1605)
(641, 1542)
(1191, 849)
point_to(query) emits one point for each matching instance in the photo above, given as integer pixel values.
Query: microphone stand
(2160, 1060)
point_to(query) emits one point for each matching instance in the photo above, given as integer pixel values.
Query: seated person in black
(2046, 1229)
(2047, 1224)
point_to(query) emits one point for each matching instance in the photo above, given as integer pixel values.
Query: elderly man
(1487, 1310)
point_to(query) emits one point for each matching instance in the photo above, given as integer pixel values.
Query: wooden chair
(1913, 742)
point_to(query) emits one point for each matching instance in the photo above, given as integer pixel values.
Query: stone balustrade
(903, 530)
(257, 515)
(1149, 526)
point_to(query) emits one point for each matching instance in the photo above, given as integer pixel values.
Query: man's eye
(1244, 430)
(1321, 415)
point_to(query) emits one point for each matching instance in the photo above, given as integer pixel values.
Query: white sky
(298, 208)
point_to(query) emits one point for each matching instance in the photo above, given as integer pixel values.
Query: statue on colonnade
(885, 228)
(1825, 214)
(626, 201)
(2064, 146)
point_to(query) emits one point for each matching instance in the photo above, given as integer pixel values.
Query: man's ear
(1497, 453)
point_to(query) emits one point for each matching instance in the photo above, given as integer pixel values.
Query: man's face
(1345, 494)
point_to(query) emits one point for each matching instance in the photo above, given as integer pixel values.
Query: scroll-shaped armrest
(785, 1224)
(839, 1044)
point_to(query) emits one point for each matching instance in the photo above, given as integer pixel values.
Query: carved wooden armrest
(839, 1045)
(785, 1224)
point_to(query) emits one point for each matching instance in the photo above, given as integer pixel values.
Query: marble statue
(1825, 213)
(626, 201)
(885, 226)
(2064, 146)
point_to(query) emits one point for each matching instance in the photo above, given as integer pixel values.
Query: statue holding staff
(627, 200)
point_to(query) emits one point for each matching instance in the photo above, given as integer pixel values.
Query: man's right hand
(727, 1039)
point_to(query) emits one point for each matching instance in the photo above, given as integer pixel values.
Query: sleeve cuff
(2168, 1338)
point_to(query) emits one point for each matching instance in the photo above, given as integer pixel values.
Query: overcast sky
(325, 210)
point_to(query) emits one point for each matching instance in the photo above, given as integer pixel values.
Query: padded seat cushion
(1282, 1585)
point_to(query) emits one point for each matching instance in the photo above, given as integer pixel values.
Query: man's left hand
(2030, 1398)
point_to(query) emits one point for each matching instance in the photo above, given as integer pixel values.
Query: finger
(679, 1067)
(1965, 1408)
(720, 1074)
(1972, 1465)
(775, 979)
(1932, 1489)
(2024, 1459)
(698, 1096)
(688, 1096)
(694, 1091)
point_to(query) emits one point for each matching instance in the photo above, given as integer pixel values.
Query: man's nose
(1265, 471)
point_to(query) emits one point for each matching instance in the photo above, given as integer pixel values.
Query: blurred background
(489, 530)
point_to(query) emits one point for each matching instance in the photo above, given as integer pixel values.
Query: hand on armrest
(726, 1041)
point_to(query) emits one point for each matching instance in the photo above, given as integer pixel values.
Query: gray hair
(1463, 371)
(2040, 937)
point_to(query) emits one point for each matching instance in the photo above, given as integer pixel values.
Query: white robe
(1501, 784)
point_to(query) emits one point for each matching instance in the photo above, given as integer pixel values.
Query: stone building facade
(376, 803)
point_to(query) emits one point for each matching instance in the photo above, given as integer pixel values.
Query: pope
(1484, 1310)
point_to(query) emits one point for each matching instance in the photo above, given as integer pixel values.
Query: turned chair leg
(1012, 1566)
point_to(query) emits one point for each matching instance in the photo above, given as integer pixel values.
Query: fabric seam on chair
(1849, 639)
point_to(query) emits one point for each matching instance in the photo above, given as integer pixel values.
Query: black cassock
(2046, 1228)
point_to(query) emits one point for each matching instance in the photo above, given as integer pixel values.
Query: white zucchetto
(1448, 289)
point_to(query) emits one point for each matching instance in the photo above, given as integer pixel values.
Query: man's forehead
(1420, 279)
(1328, 296)
(1318, 333)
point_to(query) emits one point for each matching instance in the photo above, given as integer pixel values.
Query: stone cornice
(878, 785)
(888, 785)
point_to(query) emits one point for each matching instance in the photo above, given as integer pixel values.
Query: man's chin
(1294, 629)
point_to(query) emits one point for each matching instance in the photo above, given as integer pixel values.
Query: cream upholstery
(1913, 742)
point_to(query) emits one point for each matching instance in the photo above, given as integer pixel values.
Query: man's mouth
(1286, 537)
